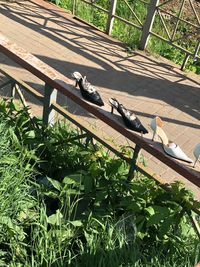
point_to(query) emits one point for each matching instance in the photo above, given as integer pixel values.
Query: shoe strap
(126, 112)
(88, 86)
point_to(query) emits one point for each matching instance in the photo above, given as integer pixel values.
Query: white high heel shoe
(169, 147)
(196, 153)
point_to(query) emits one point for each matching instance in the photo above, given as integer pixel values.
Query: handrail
(64, 85)
(13, 81)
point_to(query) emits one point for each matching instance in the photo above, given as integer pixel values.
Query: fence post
(195, 56)
(196, 51)
(50, 96)
(148, 23)
(13, 90)
(74, 6)
(133, 162)
(185, 61)
(110, 20)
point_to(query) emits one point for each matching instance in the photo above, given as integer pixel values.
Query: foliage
(131, 35)
(65, 202)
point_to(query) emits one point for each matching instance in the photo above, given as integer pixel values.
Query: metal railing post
(148, 23)
(185, 61)
(196, 51)
(133, 162)
(13, 90)
(74, 6)
(195, 56)
(110, 20)
(50, 96)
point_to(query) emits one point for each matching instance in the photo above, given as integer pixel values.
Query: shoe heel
(154, 135)
(195, 162)
(112, 109)
(76, 84)
(196, 153)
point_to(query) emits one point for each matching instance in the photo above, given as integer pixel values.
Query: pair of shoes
(88, 91)
(170, 147)
(129, 118)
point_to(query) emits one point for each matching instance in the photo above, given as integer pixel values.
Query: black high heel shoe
(88, 91)
(130, 119)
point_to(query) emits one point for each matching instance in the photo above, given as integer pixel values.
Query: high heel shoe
(130, 119)
(196, 153)
(88, 91)
(169, 147)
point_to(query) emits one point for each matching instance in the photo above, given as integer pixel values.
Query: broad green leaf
(101, 195)
(72, 191)
(135, 207)
(156, 218)
(55, 219)
(95, 169)
(55, 184)
(68, 181)
(76, 177)
(150, 210)
(160, 209)
(165, 226)
(30, 134)
(88, 184)
(14, 137)
(76, 223)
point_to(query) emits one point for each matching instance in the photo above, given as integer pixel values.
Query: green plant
(131, 35)
(65, 203)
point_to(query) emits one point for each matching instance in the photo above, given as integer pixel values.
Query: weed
(65, 204)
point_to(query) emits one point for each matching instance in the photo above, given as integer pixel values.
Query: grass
(131, 35)
(65, 204)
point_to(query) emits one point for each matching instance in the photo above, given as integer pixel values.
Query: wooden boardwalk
(149, 86)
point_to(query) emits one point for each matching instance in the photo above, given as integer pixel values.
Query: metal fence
(158, 20)
(55, 82)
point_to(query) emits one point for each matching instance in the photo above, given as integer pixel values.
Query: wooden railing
(56, 82)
